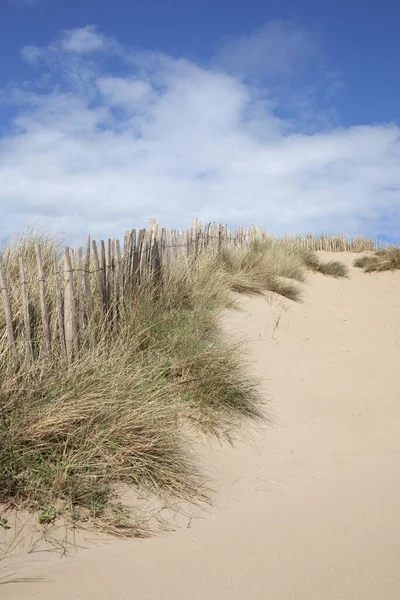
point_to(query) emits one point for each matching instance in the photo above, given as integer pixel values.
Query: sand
(305, 509)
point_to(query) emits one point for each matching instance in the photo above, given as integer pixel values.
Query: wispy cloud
(279, 50)
(82, 41)
(100, 151)
(286, 61)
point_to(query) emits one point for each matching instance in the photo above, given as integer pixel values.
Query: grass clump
(206, 373)
(252, 271)
(384, 259)
(332, 268)
(70, 435)
(274, 265)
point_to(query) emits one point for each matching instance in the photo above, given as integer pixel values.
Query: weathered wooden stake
(80, 297)
(70, 322)
(25, 309)
(98, 277)
(88, 290)
(8, 314)
(43, 305)
(59, 303)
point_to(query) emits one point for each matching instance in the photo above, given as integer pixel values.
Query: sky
(281, 114)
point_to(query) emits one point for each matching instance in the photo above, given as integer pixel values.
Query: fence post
(111, 279)
(220, 228)
(88, 291)
(109, 273)
(8, 314)
(25, 309)
(133, 257)
(141, 248)
(157, 259)
(103, 274)
(119, 275)
(59, 302)
(98, 277)
(43, 306)
(70, 323)
(80, 297)
(126, 251)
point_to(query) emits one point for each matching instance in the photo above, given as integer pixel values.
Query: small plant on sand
(333, 268)
(47, 516)
(385, 259)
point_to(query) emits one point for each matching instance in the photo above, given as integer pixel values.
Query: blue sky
(286, 114)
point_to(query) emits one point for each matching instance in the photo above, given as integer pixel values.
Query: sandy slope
(306, 510)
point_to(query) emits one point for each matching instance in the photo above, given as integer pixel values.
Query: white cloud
(82, 41)
(170, 139)
(279, 49)
(31, 54)
(125, 91)
(79, 42)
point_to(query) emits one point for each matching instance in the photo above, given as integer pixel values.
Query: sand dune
(306, 509)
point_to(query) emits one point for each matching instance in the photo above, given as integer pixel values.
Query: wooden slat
(8, 314)
(152, 258)
(206, 240)
(103, 273)
(81, 303)
(156, 264)
(109, 272)
(119, 275)
(70, 320)
(139, 252)
(25, 309)
(59, 307)
(170, 250)
(220, 237)
(125, 270)
(144, 251)
(88, 290)
(163, 250)
(98, 277)
(112, 281)
(43, 305)
(133, 256)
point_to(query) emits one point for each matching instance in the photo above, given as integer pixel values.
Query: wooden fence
(49, 301)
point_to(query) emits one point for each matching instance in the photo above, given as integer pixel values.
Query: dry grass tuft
(385, 259)
(333, 268)
(70, 435)
(274, 265)
(264, 266)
